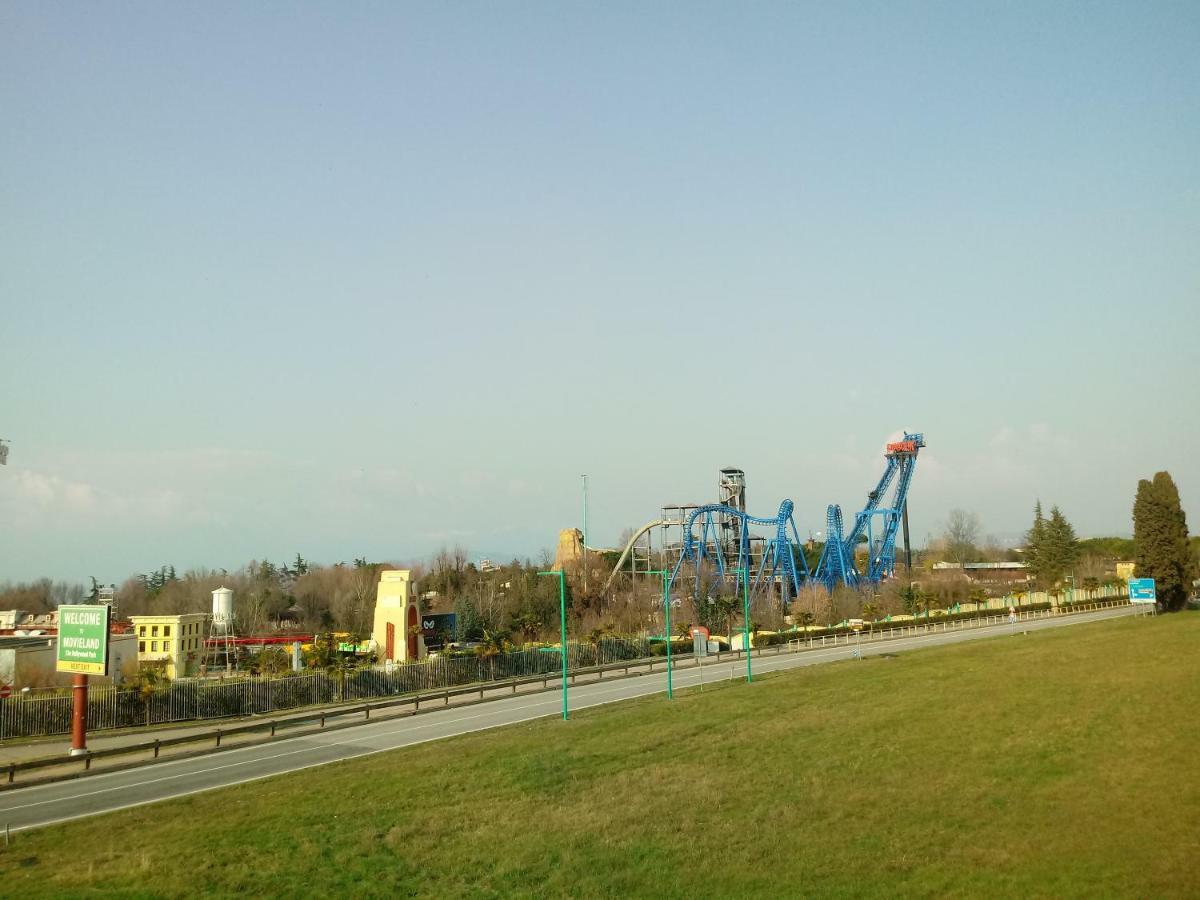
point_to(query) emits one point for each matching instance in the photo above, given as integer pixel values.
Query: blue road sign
(1141, 590)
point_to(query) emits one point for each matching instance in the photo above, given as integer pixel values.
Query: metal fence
(48, 712)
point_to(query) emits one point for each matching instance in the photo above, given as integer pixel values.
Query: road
(41, 805)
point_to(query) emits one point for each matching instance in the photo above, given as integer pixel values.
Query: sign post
(82, 651)
(1143, 590)
(700, 649)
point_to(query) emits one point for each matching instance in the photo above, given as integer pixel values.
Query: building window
(166, 631)
(141, 646)
(141, 630)
(153, 631)
(154, 646)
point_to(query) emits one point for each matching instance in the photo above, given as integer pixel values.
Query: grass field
(1053, 764)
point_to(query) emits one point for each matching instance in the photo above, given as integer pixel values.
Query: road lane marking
(628, 690)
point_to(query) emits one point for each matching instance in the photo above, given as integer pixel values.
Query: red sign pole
(79, 694)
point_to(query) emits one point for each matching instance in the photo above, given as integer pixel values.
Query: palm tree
(870, 612)
(493, 642)
(725, 609)
(528, 624)
(979, 597)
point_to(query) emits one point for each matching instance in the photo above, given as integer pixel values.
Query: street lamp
(667, 623)
(745, 573)
(562, 618)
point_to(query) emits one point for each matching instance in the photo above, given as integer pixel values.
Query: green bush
(679, 647)
(770, 640)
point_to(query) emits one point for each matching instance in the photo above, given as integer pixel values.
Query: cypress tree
(1160, 534)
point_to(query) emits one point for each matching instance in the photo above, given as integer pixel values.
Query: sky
(367, 279)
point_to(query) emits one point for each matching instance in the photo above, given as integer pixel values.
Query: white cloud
(29, 489)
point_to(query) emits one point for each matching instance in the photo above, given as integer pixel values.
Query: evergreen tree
(1160, 533)
(1062, 547)
(1035, 538)
(1051, 548)
(467, 619)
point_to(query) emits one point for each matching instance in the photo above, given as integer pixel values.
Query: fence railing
(48, 712)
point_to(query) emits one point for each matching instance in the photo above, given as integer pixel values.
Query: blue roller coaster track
(837, 564)
(715, 560)
(716, 550)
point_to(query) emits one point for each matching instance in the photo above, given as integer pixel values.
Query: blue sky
(361, 279)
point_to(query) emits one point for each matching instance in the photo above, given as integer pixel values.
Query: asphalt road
(37, 806)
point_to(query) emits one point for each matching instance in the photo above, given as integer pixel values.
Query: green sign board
(83, 639)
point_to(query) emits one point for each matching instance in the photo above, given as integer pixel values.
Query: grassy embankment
(1051, 764)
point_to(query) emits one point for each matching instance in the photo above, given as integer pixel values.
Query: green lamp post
(745, 573)
(667, 625)
(562, 618)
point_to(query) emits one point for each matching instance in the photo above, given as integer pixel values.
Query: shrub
(679, 647)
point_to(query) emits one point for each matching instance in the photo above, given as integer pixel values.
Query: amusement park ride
(712, 548)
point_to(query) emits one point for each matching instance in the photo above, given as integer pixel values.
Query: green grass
(1055, 764)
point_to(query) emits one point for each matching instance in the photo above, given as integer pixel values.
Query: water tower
(222, 637)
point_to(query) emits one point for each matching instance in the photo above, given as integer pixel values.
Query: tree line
(510, 600)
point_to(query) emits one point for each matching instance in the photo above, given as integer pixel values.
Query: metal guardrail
(512, 686)
(48, 712)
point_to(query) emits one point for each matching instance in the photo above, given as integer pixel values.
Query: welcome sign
(83, 640)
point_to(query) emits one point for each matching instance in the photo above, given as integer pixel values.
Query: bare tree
(962, 535)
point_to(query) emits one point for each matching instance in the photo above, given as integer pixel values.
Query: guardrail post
(87, 761)
(322, 720)
(272, 728)
(156, 748)
(12, 772)
(367, 710)
(514, 685)
(446, 698)
(219, 734)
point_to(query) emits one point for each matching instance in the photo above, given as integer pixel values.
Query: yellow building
(177, 640)
(1125, 570)
(397, 629)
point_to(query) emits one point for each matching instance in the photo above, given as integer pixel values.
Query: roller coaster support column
(746, 621)
(667, 626)
(562, 618)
